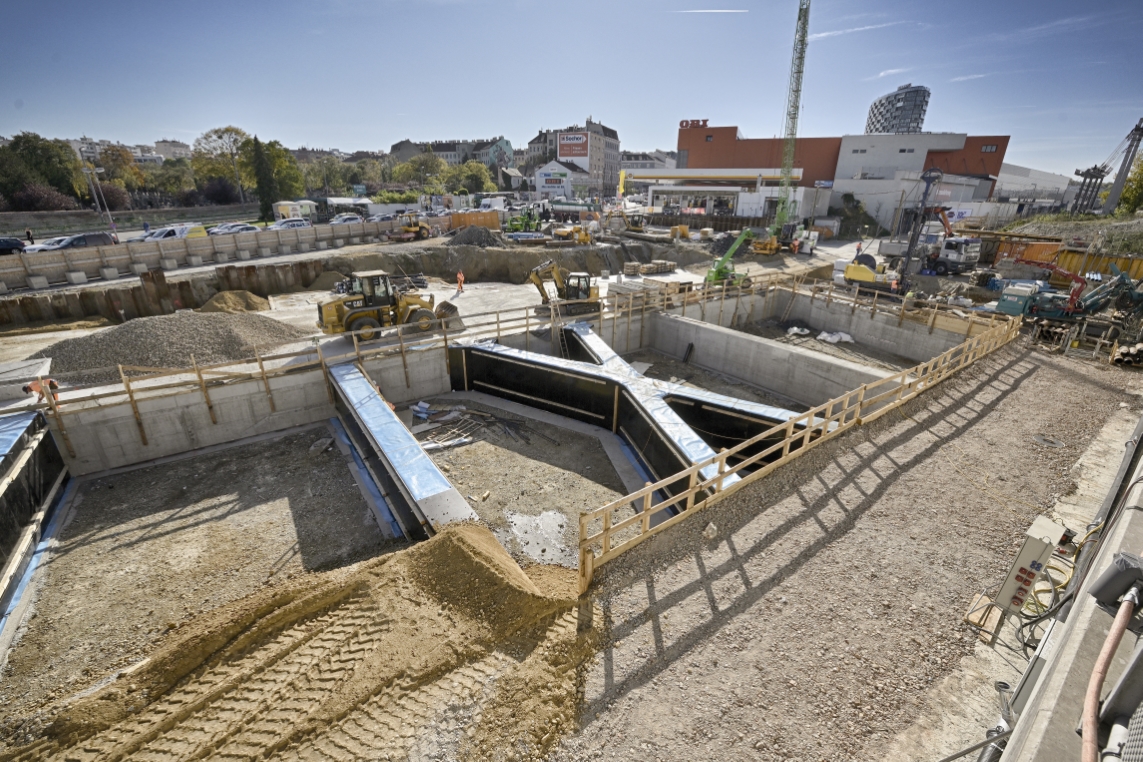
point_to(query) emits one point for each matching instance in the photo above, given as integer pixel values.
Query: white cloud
(887, 73)
(839, 32)
(967, 77)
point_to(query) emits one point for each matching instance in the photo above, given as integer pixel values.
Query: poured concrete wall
(802, 375)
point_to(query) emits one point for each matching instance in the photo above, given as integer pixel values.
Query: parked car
(86, 239)
(346, 219)
(46, 245)
(287, 224)
(224, 228)
(243, 228)
(11, 245)
(190, 230)
(381, 218)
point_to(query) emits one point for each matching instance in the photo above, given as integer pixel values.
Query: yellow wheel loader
(372, 302)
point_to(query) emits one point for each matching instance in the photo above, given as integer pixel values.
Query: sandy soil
(195, 534)
(446, 650)
(528, 478)
(666, 368)
(831, 598)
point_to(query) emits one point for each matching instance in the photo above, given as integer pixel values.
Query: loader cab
(578, 286)
(374, 288)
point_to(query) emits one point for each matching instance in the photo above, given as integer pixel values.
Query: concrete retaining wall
(802, 375)
(16, 271)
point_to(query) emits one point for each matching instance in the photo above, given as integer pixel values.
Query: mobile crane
(722, 269)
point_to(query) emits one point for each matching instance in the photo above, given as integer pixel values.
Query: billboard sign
(572, 145)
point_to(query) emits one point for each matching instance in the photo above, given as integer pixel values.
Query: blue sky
(1062, 78)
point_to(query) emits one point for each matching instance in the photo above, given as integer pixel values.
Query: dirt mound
(235, 301)
(326, 281)
(475, 235)
(1120, 236)
(427, 653)
(166, 341)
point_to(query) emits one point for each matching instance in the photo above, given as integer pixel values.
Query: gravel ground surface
(770, 329)
(530, 478)
(475, 235)
(166, 341)
(831, 598)
(194, 534)
(666, 368)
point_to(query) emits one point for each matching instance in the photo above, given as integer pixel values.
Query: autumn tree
(1132, 198)
(266, 183)
(216, 153)
(287, 174)
(119, 167)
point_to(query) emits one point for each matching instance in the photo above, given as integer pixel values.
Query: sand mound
(326, 281)
(235, 301)
(430, 652)
(475, 235)
(166, 341)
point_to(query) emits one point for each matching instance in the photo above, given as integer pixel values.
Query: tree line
(227, 166)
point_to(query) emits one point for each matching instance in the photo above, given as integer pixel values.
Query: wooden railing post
(404, 362)
(205, 393)
(647, 510)
(265, 380)
(53, 405)
(134, 406)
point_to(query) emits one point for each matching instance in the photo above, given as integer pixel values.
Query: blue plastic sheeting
(367, 480)
(12, 427)
(416, 470)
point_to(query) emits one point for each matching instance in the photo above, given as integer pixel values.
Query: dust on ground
(528, 476)
(831, 598)
(776, 330)
(446, 650)
(52, 326)
(666, 368)
(190, 535)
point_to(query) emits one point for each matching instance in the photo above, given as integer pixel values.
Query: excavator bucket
(448, 314)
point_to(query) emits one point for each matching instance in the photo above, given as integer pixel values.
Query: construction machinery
(576, 234)
(632, 223)
(570, 287)
(722, 269)
(374, 301)
(1092, 178)
(411, 228)
(1120, 291)
(938, 247)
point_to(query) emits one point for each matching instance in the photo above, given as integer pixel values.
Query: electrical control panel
(1040, 541)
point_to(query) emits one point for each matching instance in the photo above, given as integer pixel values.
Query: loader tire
(423, 319)
(369, 328)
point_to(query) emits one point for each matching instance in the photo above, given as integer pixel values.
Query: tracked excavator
(373, 301)
(576, 288)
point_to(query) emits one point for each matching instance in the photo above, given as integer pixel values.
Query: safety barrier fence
(605, 534)
(20, 270)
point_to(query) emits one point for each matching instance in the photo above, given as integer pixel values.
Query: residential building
(172, 149)
(562, 179)
(652, 160)
(594, 147)
(901, 111)
(494, 153)
(519, 157)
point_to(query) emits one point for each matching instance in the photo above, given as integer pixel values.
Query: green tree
(472, 176)
(422, 170)
(30, 158)
(266, 182)
(216, 154)
(120, 167)
(327, 176)
(287, 175)
(173, 176)
(1132, 197)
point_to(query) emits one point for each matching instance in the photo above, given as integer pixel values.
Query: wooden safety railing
(603, 535)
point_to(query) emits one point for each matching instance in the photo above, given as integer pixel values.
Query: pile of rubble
(166, 341)
(475, 235)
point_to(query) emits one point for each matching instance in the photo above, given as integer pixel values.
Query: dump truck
(570, 287)
(373, 302)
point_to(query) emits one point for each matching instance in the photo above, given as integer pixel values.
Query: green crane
(790, 135)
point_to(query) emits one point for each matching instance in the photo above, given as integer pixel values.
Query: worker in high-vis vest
(37, 387)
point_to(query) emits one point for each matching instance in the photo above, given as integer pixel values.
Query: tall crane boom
(793, 106)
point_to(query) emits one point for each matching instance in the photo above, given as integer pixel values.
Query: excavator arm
(548, 270)
(1078, 282)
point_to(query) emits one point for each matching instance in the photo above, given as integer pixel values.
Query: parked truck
(939, 249)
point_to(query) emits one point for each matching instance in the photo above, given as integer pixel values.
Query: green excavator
(722, 270)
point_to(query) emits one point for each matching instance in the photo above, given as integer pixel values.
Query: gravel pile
(474, 235)
(235, 301)
(166, 341)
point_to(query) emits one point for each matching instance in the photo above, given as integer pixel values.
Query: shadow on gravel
(957, 408)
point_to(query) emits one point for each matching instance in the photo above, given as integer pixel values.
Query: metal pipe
(1099, 672)
(998, 736)
(1006, 713)
(1116, 740)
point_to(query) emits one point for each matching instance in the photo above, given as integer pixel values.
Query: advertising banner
(572, 145)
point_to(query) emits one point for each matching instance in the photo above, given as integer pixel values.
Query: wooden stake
(265, 380)
(527, 329)
(356, 348)
(134, 407)
(642, 319)
(444, 331)
(51, 400)
(497, 326)
(691, 489)
(647, 509)
(829, 296)
(404, 362)
(873, 310)
(325, 373)
(614, 318)
(205, 393)
(721, 469)
(630, 309)
(615, 412)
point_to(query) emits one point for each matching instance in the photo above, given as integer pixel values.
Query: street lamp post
(97, 195)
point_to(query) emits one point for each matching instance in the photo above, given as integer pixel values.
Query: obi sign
(572, 145)
(689, 123)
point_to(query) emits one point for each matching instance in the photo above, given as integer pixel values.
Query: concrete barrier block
(283, 249)
(109, 273)
(194, 260)
(3, 287)
(303, 247)
(139, 268)
(322, 245)
(354, 240)
(37, 281)
(243, 254)
(338, 243)
(169, 264)
(221, 256)
(76, 277)
(265, 251)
